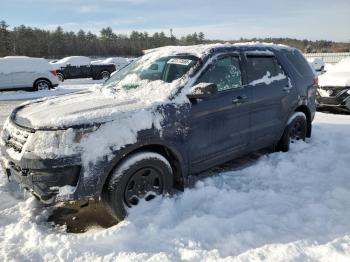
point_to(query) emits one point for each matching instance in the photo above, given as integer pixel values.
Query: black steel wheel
(105, 75)
(141, 176)
(295, 130)
(146, 184)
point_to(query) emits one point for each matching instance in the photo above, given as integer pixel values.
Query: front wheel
(295, 130)
(141, 176)
(105, 75)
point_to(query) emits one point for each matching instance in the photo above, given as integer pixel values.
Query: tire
(295, 130)
(42, 84)
(104, 75)
(60, 77)
(142, 175)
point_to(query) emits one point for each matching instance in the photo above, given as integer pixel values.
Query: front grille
(16, 138)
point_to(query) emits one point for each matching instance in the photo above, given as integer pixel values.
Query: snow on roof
(11, 64)
(202, 50)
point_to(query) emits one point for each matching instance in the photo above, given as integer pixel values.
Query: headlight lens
(348, 91)
(82, 133)
(58, 142)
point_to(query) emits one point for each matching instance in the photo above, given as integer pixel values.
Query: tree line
(36, 42)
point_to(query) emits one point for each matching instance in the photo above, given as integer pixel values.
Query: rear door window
(260, 66)
(224, 72)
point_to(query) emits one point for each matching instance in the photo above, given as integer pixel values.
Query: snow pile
(284, 207)
(18, 64)
(336, 75)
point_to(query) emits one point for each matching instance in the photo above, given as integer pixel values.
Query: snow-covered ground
(68, 86)
(283, 207)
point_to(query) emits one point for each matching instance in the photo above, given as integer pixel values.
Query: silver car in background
(22, 72)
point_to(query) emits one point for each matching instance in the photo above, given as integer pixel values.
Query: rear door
(22, 72)
(220, 124)
(272, 94)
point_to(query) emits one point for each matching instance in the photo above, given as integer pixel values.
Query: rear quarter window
(299, 63)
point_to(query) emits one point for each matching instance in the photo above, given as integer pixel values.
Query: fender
(92, 179)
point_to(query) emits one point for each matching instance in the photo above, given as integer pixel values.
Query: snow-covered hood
(72, 110)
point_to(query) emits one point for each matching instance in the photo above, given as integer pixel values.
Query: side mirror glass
(203, 90)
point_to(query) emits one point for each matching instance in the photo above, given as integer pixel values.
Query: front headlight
(348, 91)
(82, 133)
(51, 144)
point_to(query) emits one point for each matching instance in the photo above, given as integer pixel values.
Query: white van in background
(22, 72)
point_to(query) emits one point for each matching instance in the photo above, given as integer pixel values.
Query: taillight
(53, 72)
(311, 92)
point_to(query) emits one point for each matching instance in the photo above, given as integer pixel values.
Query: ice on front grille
(16, 139)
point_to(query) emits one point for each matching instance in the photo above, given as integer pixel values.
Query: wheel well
(42, 78)
(104, 70)
(306, 111)
(175, 163)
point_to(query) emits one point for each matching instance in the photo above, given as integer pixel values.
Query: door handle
(240, 100)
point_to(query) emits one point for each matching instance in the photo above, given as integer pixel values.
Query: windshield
(145, 69)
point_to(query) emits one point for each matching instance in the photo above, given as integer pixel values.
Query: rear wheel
(142, 176)
(295, 130)
(105, 75)
(42, 84)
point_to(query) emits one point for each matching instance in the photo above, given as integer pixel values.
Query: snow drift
(337, 75)
(284, 207)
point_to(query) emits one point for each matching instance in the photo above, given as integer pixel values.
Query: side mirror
(203, 90)
(154, 67)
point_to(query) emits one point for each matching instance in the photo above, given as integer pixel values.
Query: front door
(220, 124)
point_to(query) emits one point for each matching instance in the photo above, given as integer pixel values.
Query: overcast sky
(218, 19)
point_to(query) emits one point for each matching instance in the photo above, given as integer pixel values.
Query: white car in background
(72, 61)
(22, 72)
(317, 64)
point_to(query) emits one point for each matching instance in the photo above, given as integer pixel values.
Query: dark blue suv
(172, 113)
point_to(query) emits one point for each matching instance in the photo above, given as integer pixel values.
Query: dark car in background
(73, 67)
(200, 107)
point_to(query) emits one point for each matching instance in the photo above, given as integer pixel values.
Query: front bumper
(44, 184)
(336, 98)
